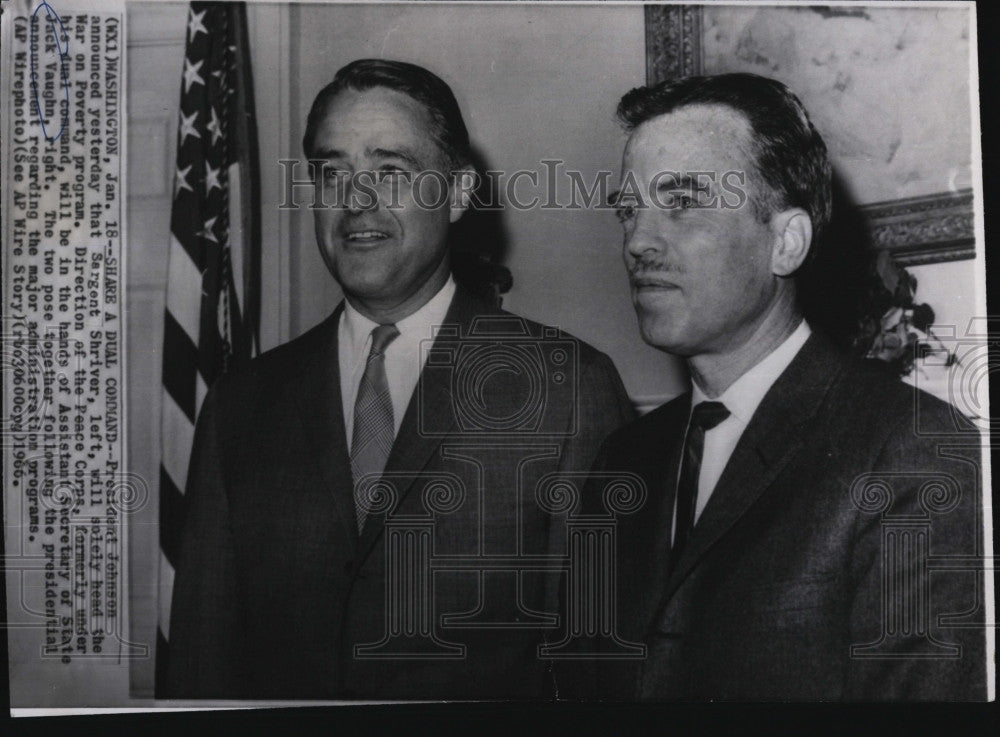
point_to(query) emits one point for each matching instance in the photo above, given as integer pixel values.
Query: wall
(956, 292)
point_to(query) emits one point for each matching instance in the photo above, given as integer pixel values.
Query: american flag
(213, 285)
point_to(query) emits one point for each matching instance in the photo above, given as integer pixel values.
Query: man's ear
(463, 184)
(792, 229)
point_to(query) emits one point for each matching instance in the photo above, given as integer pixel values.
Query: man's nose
(361, 193)
(645, 238)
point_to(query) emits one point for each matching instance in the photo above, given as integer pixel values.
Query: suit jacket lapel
(317, 392)
(646, 534)
(767, 445)
(429, 407)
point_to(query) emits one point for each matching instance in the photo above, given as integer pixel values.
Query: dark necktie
(705, 416)
(374, 428)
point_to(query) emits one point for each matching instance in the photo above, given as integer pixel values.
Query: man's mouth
(648, 282)
(366, 236)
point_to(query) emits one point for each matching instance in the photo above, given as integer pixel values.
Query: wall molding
(673, 42)
(924, 230)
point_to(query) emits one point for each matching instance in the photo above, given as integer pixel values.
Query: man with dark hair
(445, 124)
(795, 496)
(360, 499)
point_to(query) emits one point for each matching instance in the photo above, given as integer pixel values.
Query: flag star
(195, 26)
(180, 180)
(187, 126)
(214, 127)
(211, 178)
(207, 233)
(191, 75)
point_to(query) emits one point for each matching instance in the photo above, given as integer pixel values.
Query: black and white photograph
(532, 352)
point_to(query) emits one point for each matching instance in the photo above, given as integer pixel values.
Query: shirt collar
(746, 393)
(420, 324)
(412, 327)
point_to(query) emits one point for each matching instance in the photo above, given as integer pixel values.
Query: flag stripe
(166, 587)
(200, 390)
(171, 517)
(161, 660)
(178, 435)
(184, 296)
(180, 367)
(236, 231)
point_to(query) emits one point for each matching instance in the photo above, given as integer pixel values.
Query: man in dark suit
(813, 526)
(361, 499)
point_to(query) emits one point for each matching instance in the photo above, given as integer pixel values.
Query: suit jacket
(841, 483)
(275, 587)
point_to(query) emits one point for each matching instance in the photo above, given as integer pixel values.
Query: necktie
(374, 429)
(705, 416)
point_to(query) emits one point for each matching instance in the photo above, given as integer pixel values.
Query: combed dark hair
(790, 155)
(475, 269)
(448, 127)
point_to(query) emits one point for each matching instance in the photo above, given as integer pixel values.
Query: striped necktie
(374, 428)
(705, 416)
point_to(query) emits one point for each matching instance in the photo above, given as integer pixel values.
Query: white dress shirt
(403, 358)
(741, 399)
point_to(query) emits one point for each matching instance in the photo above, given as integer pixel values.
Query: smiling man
(375, 144)
(414, 423)
(772, 559)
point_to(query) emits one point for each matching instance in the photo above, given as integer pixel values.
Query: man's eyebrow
(381, 153)
(396, 153)
(616, 197)
(682, 182)
(327, 153)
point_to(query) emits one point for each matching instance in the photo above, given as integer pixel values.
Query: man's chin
(368, 287)
(661, 333)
